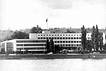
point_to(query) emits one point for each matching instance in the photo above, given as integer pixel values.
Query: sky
(22, 14)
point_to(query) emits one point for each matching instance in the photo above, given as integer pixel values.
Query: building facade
(64, 40)
(37, 42)
(24, 45)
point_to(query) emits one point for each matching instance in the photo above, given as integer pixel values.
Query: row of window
(70, 45)
(31, 41)
(45, 45)
(29, 48)
(30, 44)
(59, 37)
(59, 34)
(67, 41)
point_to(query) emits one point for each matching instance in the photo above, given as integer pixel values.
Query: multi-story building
(37, 42)
(23, 45)
(64, 40)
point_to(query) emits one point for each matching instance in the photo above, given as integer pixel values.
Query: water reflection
(53, 65)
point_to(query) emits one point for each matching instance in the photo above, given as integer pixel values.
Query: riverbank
(52, 56)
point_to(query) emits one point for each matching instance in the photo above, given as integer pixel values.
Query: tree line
(96, 42)
(51, 47)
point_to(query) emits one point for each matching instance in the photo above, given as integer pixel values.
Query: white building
(64, 40)
(37, 42)
(24, 45)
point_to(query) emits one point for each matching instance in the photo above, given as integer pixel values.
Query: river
(53, 65)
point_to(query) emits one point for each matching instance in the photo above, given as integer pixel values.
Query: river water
(54, 65)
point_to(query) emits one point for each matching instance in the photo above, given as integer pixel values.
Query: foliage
(19, 35)
(57, 48)
(69, 31)
(89, 45)
(83, 37)
(100, 41)
(36, 29)
(52, 46)
(104, 47)
(97, 39)
(48, 45)
(93, 37)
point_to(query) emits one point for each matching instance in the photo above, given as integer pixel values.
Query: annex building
(37, 42)
(24, 45)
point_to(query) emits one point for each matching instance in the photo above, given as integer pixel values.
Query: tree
(52, 49)
(48, 45)
(20, 35)
(93, 37)
(100, 41)
(96, 38)
(57, 48)
(83, 37)
(69, 31)
(89, 45)
(36, 30)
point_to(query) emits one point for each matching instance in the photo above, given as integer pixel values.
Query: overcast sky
(21, 14)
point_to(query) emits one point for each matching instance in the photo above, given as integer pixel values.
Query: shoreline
(53, 56)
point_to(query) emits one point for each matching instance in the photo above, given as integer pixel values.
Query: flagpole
(47, 22)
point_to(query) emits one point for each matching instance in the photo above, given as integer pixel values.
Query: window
(71, 41)
(63, 41)
(60, 41)
(72, 45)
(74, 41)
(77, 41)
(19, 44)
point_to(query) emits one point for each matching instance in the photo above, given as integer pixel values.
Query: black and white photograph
(52, 35)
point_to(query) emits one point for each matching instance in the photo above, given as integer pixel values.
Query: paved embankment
(53, 56)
